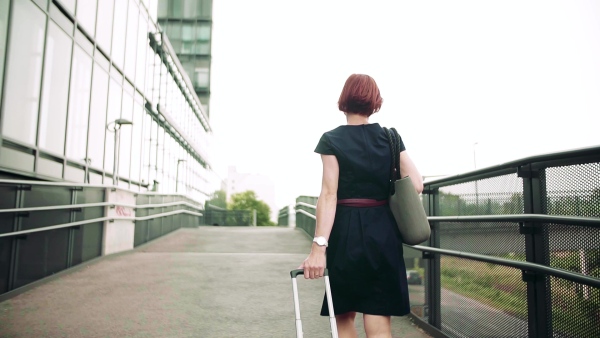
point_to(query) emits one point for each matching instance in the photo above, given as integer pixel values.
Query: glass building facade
(69, 69)
(188, 24)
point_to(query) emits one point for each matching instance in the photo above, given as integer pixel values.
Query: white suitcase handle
(332, 323)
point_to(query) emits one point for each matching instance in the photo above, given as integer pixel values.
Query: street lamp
(476, 182)
(177, 177)
(115, 126)
(474, 158)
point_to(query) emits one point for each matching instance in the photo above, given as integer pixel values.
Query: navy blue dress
(365, 256)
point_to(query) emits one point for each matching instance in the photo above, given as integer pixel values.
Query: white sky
(520, 78)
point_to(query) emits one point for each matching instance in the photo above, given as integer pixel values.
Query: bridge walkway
(194, 282)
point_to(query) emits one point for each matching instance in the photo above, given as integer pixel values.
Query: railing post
(14, 255)
(536, 251)
(434, 284)
(71, 238)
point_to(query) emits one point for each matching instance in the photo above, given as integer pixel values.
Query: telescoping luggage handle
(299, 333)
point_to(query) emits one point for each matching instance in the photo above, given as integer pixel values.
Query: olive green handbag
(404, 201)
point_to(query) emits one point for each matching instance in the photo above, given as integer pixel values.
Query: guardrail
(514, 250)
(48, 227)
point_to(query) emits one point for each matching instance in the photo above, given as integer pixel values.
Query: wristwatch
(321, 241)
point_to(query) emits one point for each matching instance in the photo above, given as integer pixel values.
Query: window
(136, 141)
(3, 35)
(119, 27)
(69, 5)
(189, 8)
(86, 16)
(125, 137)
(55, 90)
(131, 45)
(104, 24)
(79, 103)
(115, 93)
(201, 77)
(142, 47)
(98, 121)
(187, 38)
(147, 137)
(24, 72)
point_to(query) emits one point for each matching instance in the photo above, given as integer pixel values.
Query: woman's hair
(360, 95)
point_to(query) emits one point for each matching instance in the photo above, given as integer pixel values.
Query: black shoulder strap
(394, 151)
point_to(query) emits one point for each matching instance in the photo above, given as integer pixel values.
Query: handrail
(565, 274)
(576, 277)
(570, 220)
(85, 185)
(95, 220)
(588, 151)
(306, 205)
(100, 204)
(306, 213)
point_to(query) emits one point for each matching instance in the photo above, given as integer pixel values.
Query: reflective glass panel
(119, 27)
(69, 5)
(98, 106)
(125, 142)
(132, 35)
(163, 9)
(189, 8)
(146, 147)
(86, 16)
(24, 72)
(115, 93)
(79, 105)
(104, 24)
(176, 8)
(142, 42)
(55, 90)
(203, 32)
(136, 141)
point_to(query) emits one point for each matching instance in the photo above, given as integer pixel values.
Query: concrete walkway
(203, 282)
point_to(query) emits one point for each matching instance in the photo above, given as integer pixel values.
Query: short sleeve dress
(364, 257)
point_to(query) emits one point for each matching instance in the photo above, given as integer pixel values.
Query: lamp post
(474, 158)
(116, 128)
(177, 177)
(476, 182)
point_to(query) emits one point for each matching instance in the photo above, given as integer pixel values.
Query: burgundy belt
(361, 202)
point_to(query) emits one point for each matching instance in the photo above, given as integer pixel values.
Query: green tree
(247, 200)
(217, 199)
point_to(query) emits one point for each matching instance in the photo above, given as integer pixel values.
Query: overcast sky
(519, 78)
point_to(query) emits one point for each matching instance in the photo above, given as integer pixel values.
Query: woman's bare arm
(408, 168)
(314, 265)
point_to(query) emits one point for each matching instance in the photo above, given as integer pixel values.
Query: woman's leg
(378, 326)
(345, 325)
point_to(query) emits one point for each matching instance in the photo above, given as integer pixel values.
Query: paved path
(203, 282)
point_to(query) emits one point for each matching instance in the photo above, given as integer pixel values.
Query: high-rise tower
(188, 25)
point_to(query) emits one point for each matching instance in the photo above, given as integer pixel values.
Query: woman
(356, 235)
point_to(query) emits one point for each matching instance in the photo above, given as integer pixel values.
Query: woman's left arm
(314, 264)
(408, 168)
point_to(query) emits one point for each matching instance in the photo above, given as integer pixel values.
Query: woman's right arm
(408, 168)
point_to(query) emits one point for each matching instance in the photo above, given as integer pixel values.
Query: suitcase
(299, 333)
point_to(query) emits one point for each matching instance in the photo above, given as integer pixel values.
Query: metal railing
(514, 249)
(48, 227)
(283, 217)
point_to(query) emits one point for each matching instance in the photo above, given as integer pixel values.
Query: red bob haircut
(360, 95)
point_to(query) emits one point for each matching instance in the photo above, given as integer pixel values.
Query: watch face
(321, 241)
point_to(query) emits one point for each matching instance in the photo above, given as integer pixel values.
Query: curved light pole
(116, 128)
(476, 182)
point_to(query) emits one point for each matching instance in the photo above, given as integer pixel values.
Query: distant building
(188, 24)
(262, 185)
(72, 71)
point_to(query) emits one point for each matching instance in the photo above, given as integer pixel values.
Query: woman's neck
(356, 119)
